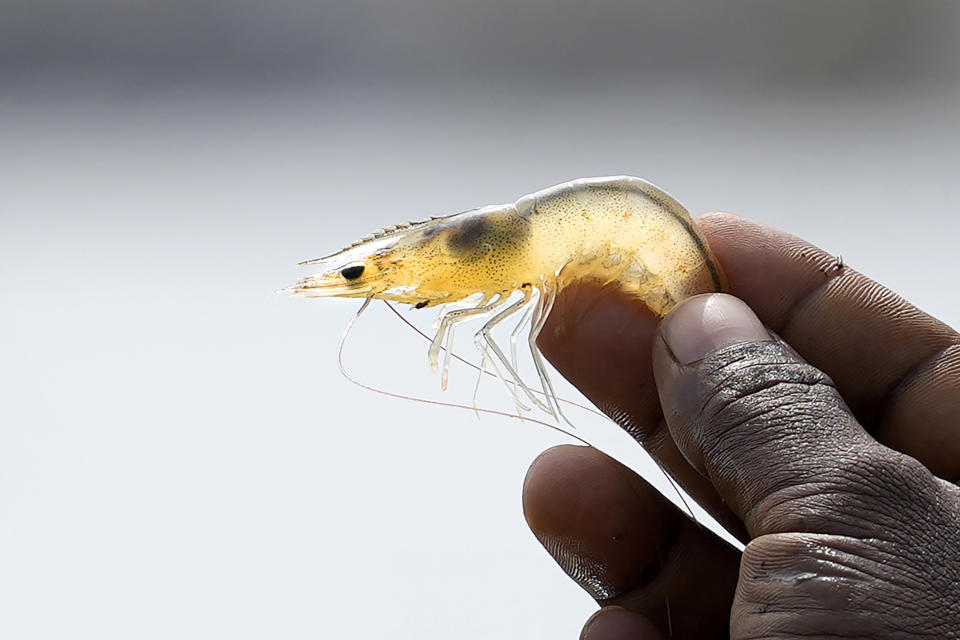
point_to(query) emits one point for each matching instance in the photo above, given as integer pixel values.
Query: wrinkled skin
(826, 438)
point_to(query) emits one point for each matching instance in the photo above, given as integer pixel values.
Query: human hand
(835, 484)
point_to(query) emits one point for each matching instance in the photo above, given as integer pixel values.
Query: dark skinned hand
(834, 459)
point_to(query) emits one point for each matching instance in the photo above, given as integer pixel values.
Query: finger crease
(915, 372)
(794, 309)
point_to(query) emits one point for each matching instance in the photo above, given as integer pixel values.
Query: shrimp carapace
(619, 230)
(439, 260)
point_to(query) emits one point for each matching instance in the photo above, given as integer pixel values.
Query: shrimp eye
(352, 272)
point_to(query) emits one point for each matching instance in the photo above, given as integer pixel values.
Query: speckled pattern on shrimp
(613, 229)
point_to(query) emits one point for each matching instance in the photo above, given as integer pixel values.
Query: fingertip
(695, 328)
(705, 323)
(623, 543)
(600, 521)
(593, 321)
(598, 338)
(544, 496)
(617, 623)
(580, 490)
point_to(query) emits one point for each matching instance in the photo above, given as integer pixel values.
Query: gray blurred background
(179, 456)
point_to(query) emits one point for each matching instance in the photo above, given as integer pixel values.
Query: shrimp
(503, 261)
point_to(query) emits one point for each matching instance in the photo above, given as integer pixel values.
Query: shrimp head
(436, 261)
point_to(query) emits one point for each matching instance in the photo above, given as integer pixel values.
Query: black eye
(352, 272)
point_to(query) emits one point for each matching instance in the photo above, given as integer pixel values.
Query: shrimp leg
(544, 306)
(485, 343)
(515, 333)
(445, 333)
(455, 306)
(442, 324)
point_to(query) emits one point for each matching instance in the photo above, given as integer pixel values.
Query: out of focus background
(179, 456)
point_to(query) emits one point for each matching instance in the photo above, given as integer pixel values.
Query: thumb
(769, 431)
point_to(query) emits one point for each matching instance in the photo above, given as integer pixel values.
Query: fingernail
(617, 623)
(700, 325)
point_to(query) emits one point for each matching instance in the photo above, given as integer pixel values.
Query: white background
(179, 456)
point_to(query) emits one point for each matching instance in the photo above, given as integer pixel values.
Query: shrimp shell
(512, 260)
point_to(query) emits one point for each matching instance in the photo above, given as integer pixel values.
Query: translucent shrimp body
(617, 229)
(621, 229)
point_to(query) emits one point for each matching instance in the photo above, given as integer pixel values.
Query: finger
(617, 623)
(894, 365)
(625, 544)
(770, 431)
(600, 339)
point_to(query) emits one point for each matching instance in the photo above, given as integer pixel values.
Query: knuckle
(811, 584)
(798, 571)
(772, 433)
(753, 380)
(865, 491)
(757, 395)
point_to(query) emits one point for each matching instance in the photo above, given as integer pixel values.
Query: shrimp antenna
(495, 412)
(346, 374)
(663, 470)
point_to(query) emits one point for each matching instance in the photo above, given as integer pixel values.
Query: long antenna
(673, 483)
(346, 374)
(495, 412)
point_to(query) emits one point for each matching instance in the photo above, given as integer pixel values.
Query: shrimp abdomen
(622, 229)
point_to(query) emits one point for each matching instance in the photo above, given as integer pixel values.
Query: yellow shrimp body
(615, 229)
(620, 229)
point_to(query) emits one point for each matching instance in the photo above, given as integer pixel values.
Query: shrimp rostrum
(510, 261)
